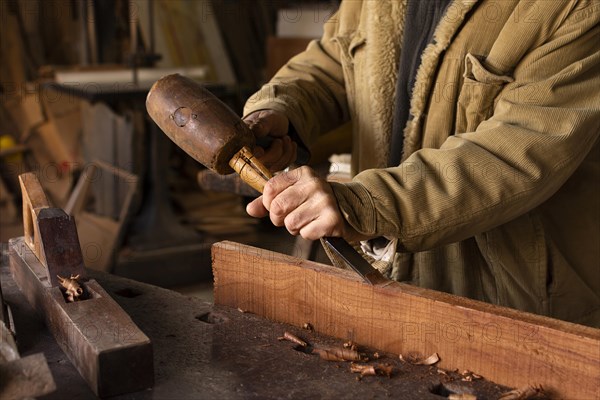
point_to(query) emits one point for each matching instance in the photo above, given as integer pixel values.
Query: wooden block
(507, 346)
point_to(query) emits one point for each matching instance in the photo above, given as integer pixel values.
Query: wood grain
(504, 345)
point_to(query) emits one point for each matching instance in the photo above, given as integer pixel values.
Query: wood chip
(337, 354)
(469, 376)
(327, 355)
(351, 345)
(293, 338)
(308, 326)
(372, 370)
(432, 359)
(385, 369)
(364, 370)
(524, 393)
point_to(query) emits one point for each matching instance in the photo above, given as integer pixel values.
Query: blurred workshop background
(73, 79)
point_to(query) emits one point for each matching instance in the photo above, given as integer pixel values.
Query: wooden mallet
(205, 128)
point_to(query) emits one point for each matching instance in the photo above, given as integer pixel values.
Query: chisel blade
(354, 260)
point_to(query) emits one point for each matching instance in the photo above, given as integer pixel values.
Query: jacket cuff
(354, 200)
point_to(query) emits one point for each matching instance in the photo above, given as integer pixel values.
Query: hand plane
(110, 352)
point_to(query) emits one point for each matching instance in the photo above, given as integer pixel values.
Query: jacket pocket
(477, 94)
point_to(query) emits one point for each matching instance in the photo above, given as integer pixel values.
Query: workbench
(206, 351)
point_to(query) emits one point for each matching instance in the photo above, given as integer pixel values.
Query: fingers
(304, 204)
(282, 151)
(256, 208)
(278, 184)
(279, 155)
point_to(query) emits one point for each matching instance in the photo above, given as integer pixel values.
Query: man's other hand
(283, 150)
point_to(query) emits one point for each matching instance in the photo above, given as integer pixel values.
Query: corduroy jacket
(497, 197)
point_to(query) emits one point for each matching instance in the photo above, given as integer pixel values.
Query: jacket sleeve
(544, 124)
(309, 89)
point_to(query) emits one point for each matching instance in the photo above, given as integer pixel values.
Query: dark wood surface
(205, 352)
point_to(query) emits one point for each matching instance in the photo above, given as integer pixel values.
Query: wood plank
(507, 346)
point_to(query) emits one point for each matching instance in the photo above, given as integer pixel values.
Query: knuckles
(279, 206)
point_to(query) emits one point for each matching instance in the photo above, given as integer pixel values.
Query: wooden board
(504, 345)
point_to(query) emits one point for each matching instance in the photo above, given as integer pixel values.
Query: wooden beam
(507, 346)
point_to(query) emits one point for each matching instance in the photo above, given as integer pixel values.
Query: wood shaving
(469, 376)
(351, 345)
(72, 288)
(292, 338)
(338, 354)
(524, 393)
(384, 369)
(376, 356)
(364, 370)
(441, 372)
(327, 355)
(372, 370)
(431, 360)
(308, 326)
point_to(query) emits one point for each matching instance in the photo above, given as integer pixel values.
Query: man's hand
(305, 204)
(282, 151)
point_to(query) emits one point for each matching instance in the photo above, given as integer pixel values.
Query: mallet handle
(250, 169)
